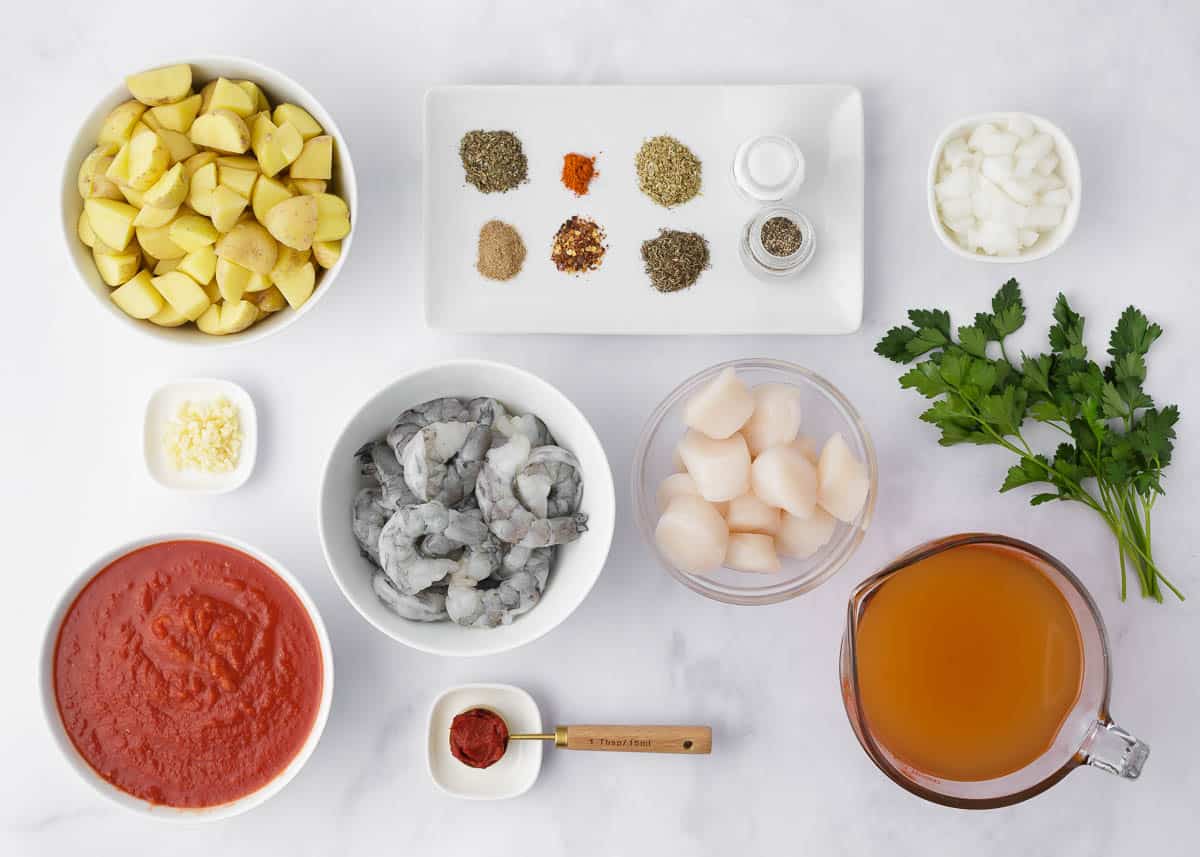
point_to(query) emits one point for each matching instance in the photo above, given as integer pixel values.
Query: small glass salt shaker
(758, 259)
(769, 168)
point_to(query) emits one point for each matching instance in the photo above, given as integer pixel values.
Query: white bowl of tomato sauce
(186, 676)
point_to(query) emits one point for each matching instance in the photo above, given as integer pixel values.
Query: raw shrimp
(427, 606)
(522, 579)
(441, 461)
(378, 461)
(399, 557)
(367, 520)
(505, 425)
(445, 410)
(502, 509)
(551, 482)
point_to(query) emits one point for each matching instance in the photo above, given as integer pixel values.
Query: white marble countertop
(787, 774)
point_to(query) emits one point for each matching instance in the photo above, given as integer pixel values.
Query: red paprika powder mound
(577, 173)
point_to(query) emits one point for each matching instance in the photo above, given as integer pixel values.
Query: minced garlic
(204, 436)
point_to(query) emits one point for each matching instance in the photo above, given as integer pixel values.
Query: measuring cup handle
(1110, 748)
(689, 740)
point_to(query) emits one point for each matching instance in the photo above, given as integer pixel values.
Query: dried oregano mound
(667, 171)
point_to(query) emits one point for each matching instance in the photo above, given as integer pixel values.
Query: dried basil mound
(667, 171)
(674, 260)
(493, 160)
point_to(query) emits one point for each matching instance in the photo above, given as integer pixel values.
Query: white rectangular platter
(612, 122)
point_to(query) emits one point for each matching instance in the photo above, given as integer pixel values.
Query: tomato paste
(188, 674)
(478, 737)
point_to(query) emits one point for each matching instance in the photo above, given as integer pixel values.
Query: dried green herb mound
(667, 171)
(493, 160)
(1116, 442)
(674, 260)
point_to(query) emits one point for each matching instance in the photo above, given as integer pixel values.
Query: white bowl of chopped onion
(1011, 208)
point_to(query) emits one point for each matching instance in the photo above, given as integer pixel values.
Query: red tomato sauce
(188, 674)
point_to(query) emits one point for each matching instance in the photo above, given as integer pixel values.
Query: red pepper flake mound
(578, 246)
(578, 172)
(478, 737)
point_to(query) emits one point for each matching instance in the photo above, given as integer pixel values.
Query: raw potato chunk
(275, 146)
(182, 293)
(250, 246)
(232, 279)
(294, 221)
(297, 285)
(333, 218)
(227, 95)
(675, 485)
(148, 158)
(307, 185)
(843, 480)
(748, 514)
(223, 130)
(137, 297)
(784, 478)
(163, 265)
(179, 147)
(116, 269)
(227, 207)
(776, 417)
(327, 252)
(169, 191)
(256, 95)
(239, 180)
(200, 265)
(156, 240)
(111, 221)
(168, 317)
(151, 216)
(721, 468)
(803, 537)
(210, 321)
(179, 116)
(191, 232)
(315, 161)
(118, 125)
(161, 85)
(269, 300)
(91, 180)
(721, 407)
(288, 260)
(692, 535)
(204, 182)
(84, 229)
(299, 118)
(266, 195)
(751, 552)
(196, 161)
(236, 316)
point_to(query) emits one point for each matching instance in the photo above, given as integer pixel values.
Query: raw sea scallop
(784, 478)
(803, 537)
(721, 407)
(748, 514)
(692, 535)
(751, 552)
(776, 417)
(720, 468)
(843, 480)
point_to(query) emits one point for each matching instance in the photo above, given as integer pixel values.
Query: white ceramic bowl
(107, 789)
(278, 88)
(575, 568)
(1068, 169)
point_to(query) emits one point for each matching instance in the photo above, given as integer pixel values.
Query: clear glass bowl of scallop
(794, 414)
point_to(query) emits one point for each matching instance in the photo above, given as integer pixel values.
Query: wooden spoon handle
(689, 740)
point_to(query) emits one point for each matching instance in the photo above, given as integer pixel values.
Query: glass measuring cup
(1088, 735)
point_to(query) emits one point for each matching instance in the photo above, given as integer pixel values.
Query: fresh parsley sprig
(1116, 442)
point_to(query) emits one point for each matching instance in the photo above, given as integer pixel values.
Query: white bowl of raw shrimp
(576, 566)
(824, 412)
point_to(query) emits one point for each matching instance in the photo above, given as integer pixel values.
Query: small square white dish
(514, 774)
(825, 121)
(164, 405)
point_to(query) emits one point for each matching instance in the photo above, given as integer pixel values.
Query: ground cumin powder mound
(501, 251)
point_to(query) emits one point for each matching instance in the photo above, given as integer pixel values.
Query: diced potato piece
(168, 317)
(333, 218)
(151, 216)
(227, 95)
(315, 161)
(156, 240)
(221, 129)
(191, 232)
(227, 207)
(237, 315)
(297, 285)
(112, 221)
(182, 293)
(163, 265)
(148, 158)
(206, 93)
(200, 265)
(259, 282)
(250, 245)
(241, 181)
(169, 191)
(166, 85)
(178, 116)
(274, 146)
(200, 191)
(118, 167)
(118, 124)
(212, 291)
(116, 269)
(137, 297)
(270, 300)
(294, 221)
(313, 186)
(133, 197)
(84, 230)
(238, 162)
(232, 279)
(289, 260)
(300, 118)
(198, 160)
(179, 147)
(256, 95)
(91, 180)
(327, 252)
(266, 194)
(210, 321)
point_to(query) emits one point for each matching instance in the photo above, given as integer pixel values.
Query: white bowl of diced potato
(1059, 173)
(241, 230)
